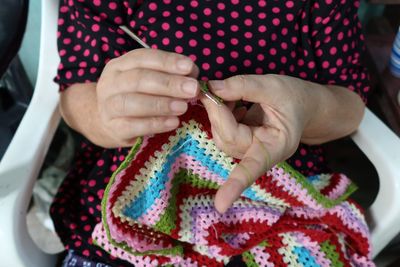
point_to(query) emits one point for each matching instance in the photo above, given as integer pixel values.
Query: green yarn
(320, 198)
(331, 254)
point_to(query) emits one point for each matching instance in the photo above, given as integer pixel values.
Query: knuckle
(160, 106)
(154, 124)
(117, 104)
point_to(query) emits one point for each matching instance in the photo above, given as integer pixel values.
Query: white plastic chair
(21, 163)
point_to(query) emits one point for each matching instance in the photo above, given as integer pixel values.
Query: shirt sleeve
(339, 45)
(88, 37)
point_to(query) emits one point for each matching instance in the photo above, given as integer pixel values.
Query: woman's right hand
(142, 93)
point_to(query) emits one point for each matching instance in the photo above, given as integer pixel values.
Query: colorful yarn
(158, 209)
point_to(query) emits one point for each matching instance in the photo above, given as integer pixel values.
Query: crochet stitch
(158, 209)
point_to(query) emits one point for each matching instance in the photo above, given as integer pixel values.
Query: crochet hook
(203, 85)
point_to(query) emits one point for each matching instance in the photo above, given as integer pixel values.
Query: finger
(222, 119)
(141, 105)
(255, 162)
(157, 83)
(128, 128)
(154, 59)
(242, 87)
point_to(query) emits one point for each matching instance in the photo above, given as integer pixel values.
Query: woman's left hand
(268, 133)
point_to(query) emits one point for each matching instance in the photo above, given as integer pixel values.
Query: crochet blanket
(158, 209)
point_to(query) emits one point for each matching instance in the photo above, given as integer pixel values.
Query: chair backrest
(23, 159)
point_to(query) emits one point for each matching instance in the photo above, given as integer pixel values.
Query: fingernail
(171, 122)
(178, 106)
(190, 87)
(184, 64)
(217, 85)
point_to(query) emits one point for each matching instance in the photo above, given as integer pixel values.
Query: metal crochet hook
(203, 85)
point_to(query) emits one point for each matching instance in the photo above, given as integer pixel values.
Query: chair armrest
(382, 147)
(23, 159)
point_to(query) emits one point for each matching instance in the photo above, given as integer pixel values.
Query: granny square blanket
(158, 209)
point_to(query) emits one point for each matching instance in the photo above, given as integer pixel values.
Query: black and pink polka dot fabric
(316, 40)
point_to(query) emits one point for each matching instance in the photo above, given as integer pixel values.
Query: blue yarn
(147, 197)
(305, 258)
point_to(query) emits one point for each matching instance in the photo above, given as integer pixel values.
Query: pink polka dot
(206, 51)
(290, 17)
(205, 66)
(248, 22)
(180, 20)
(234, 41)
(276, 10)
(325, 64)
(165, 41)
(272, 51)
(248, 35)
(333, 50)
(289, 4)
(153, 6)
(112, 5)
(248, 48)
(248, 8)
(113, 167)
(192, 42)
(218, 74)
(207, 37)
(95, 27)
(234, 14)
(97, 2)
(262, 28)
(165, 26)
(276, 21)
(297, 163)
(232, 68)
(262, 42)
(262, 3)
(207, 11)
(220, 60)
(67, 41)
(272, 65)
(221, 20)
(193, 28)
(221, 6)
(166, 14)
(207, 25)
(92, 183)
(68, 75)
(262, 15)
(100, 162)
(194, 3)
(220, 45)
(247, 62)
(86, 253)
(234, 54)
(179, 34)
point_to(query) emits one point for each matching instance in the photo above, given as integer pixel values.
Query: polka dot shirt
(316, 40)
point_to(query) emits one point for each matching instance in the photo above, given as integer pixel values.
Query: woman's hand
(143, 92)
(286, 110)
